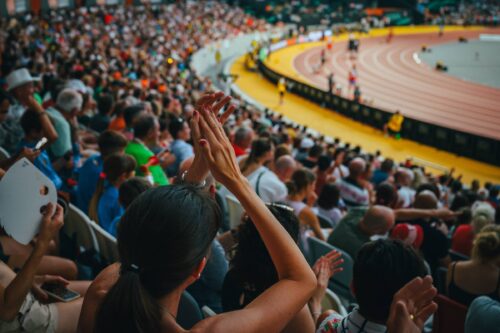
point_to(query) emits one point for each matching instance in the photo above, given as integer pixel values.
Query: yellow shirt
(281, 86)
(395, 122)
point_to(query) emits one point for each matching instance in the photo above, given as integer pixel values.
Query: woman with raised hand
(142, 293)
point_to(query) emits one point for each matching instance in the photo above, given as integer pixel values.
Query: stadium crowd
(146, 148)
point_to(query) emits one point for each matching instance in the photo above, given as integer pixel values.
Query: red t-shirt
(462, 239)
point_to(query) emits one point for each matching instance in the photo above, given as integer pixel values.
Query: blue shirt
(379, 176)
(114, 225)
(108, 207)
(182, 151)
(483, 316)
(43, 163)
(87, 181)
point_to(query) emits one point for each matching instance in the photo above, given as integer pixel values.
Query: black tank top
(458, 294)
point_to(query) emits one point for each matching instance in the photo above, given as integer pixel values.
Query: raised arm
(272, 310)
(48, 129)
(407, 214)
(12, 297)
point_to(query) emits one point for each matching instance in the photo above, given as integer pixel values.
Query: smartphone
(41, 143)
(60, 292)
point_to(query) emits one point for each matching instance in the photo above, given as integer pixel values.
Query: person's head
(179, 129)
(426, 200)
(131, 113)
(357, 167)
(403, 177)
(475, 185)
(430, 187)
(5, 102)
(243, 137)
(20, 83)
(486, 245)
(315, 152)
(111, 142)
(378, 220)
(329, 196)
(284, 167)
(459, 201)
(131, 189)
(483, 209)
(479, 222)
(116, 169)
(105, 105)
(70, 102)
(301, 183)
(147, 129)
(251, 259)
(386, 195)
(387, 166)
(32, 126)
(179, 222)
(281, 150)
(382, 268)
(324, 162)
(262, 152)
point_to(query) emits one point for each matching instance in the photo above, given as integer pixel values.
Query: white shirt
(269, 188)
(407, 195)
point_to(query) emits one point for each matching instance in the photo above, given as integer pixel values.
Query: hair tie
(132, 268)
(102, 175)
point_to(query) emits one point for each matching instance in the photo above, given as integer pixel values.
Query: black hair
(111, 142)
(387, 165)
(300, 179)
(30, 122)
(382, 268)
(386, 194)
(105, 104)
(329, 196)
(143, 125)
(260, 147)
(315, 151)
(131, 112)
(459, 201)
(4, 96)
(179, 222)
(324, 162)
(429, 187)
(251, 260)
(175, 126)
(131, 189)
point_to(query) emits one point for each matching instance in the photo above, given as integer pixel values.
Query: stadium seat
(332, 302)
(77, 225)
(324, 221)
(450, 316)
(4, 154)
(107, 246)
(207, 311)
(235, 211)
(341, 281)
(440, 279)
(189, 312)
(457, 256)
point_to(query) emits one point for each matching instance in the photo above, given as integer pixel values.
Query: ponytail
(299, 181)
(94, 202)
(259, 148)
(128, 307)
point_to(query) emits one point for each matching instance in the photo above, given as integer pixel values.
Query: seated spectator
(483, 316)
(328, 204)
(480, 275)
(463, 236)
(324, 170)
(359, 225)
(146, 131)
(301, 188)
(180, 222)
(25, 310)
(381, 269)
(130, 114)
(284, 166)
(109, 142)
(182, 150)
(68, 104)
(243, 138)
(105, 206)
(435, 245)
(100, 121)
(384, 173)
(312, 157)
(403, 179)
(36, 125)
(351, 189)
(128, 191)
(11, 132)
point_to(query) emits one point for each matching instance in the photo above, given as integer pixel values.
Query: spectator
(284, 167)
(483, 316)
(243, 138)
(480, 275)
(463, 237)
(11, 132)
(359, 225)
(384, 173)
(312, 157)
(146, 129)
(109, 142)
(130, 115)
(403, 179)
(100, 122)
(20, 85)
(328, 204)
(169, 218)
(323, 172)
(351, 188)
(182, 150)
(381, 268)
(104, 206)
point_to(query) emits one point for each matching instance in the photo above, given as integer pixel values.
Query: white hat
(19, 77)
(306, 143)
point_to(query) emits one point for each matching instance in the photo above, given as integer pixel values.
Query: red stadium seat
(450, 316)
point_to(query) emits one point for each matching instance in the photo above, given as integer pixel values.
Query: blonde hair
(487, 244)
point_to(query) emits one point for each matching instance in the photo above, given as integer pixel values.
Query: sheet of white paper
(24, 190)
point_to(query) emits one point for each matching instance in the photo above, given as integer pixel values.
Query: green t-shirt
(347, 236)
(142, 155)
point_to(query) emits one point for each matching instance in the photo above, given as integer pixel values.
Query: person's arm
(308, 217)
(407, 214)
(47, 127)
(275, 307)
(12, 297)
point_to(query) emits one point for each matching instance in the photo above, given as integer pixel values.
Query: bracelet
(183, 180)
